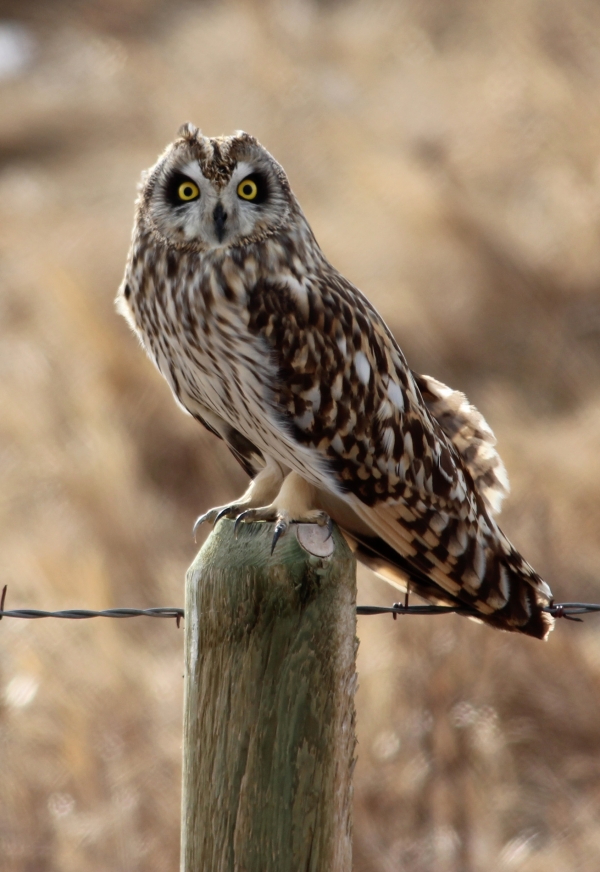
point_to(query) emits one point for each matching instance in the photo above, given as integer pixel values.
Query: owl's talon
(214, 515)
(198, 523)
(226, 510)
(280, 530)
(239, 521)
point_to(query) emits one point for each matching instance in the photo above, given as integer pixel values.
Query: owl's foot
(283, 520)
(262, 488)
(293, 500)
(213, 515)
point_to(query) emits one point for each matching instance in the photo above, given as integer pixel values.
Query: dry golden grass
(447, 155)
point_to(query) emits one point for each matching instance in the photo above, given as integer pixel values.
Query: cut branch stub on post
(269, 702)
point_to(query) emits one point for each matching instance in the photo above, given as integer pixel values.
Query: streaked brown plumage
(265, 343)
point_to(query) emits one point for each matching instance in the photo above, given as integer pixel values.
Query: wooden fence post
(269, 738)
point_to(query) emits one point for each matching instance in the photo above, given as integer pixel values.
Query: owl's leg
(294, 504)
(262, 488)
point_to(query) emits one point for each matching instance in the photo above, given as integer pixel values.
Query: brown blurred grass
(447, 153)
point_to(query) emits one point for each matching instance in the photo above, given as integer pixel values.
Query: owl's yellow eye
(188, 191)
(247, 190)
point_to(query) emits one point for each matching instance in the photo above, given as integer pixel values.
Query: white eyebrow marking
(192, 171)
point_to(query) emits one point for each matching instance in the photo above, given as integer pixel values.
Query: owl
(267, 345)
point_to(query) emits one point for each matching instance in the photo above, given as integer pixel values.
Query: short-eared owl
(268, 346)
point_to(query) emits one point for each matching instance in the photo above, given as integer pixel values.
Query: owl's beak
(220, 217)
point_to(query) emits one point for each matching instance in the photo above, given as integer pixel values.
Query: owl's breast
(195, 328)
(197, 320)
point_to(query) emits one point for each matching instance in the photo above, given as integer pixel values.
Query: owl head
(216, 193)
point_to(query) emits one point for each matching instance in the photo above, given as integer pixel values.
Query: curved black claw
(198, 523)
(239, 521)
(212, 517)
(280, 529)
(329, 526)
(226, 510)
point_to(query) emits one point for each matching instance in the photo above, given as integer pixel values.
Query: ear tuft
(188, 131)
(245, 137)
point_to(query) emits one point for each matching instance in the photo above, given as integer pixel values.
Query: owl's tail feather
(399, 571)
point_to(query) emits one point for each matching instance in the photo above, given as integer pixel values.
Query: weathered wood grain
(269, 705)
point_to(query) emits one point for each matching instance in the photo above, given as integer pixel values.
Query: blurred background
(447, 154)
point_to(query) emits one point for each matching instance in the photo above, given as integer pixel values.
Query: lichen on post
(269, 702)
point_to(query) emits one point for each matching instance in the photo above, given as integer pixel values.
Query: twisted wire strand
(80, 614)
(570, 611)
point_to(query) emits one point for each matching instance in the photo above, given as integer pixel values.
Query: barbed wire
(82, 614)
(569, 611)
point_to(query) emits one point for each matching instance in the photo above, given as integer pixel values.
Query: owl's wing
(422, 486)
(346, 390)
